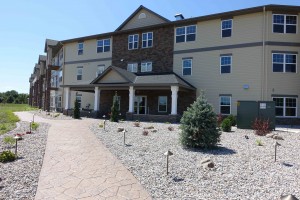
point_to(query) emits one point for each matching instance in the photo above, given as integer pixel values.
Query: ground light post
(16, 148)
(124, 136)
(104, 121)
(168, 153)
(33, 118)
(275, 145)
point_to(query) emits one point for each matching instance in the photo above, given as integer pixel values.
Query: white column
(67, 98)
(97, 99)
(131, 99)
(174, 90)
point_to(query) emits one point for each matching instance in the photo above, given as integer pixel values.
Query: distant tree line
(13, 97)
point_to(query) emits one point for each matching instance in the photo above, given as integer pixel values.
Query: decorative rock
(277, 137)
(154, 130)
(208, 165)
(120, 129)
(270, 135)
(149, 127)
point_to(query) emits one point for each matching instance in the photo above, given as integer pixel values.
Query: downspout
(263, 81)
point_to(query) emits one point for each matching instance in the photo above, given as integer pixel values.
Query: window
(187, 66)
(186, 34)
(100, 70)
(133, 41)
(283, 62)
(80, 48)
(225, 64)
(285, 106)
(60, 75)
(146, 66)
(118, 102)
(162, 103)
(284, 23)
(78, 98)
(58, 102)
(225, 105)
(103, 45)
(226, 28)
(147, 40)
(132, 67)
(79, 73)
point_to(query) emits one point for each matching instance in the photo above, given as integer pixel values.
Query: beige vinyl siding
(88, 72)
(86, 98)
(150, 19)
(245, 29)
(89, 51)
(281, 37)
(246, 68)
(112, 77)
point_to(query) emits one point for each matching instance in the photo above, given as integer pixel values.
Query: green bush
(232, 118)
(199, 125)
(34, 126)
(7, 156)
(9, 140)
(76, 114)
(226, 125)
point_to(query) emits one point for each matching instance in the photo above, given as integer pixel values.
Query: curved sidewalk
(78, 166)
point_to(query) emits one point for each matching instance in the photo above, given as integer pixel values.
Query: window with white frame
(225, 105)
(225, 64)
(79, 99)
(103, 45)
(132, 67)
(80, 48)
(60, 75)
(162, 103)
(147, 40)
(284, 62)
(186, 34)
(58, 101)
(79, 73)
(284, 23)
(118, 99)
(187, 66)
(133, 41)
(226, 26)
(100, 70)
(146, 66)
(285, 106)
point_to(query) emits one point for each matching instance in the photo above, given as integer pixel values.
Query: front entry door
(140, 105)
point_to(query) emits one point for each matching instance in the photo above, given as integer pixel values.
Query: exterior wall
(150, 19)
(161, 54)
(86, 98)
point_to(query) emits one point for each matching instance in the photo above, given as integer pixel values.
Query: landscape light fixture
(16, 147)
(30, 124)
(288, 197)
(275, 145)
(168, 153)
(124, 136)
(33, 118)
(104, 121)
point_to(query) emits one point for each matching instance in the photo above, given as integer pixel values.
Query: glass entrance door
(140, 105)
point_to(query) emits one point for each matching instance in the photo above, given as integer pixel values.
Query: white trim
(78, 74)
(284, 62)
(183, 59)
(133, 35)
(285, 24)
(130, 67)
(284, 106)
(226, 28)
(145, 66)
(185, 33)
(225, 65)
(166, 104)
(98, 69)
(220, 97)
(78, 49)
(103, 45)
(138, 105)
(147, 39)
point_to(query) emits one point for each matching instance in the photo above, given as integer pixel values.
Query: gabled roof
(136, 12)
(129, 77)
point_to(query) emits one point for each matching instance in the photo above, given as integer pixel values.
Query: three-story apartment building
(158, 67)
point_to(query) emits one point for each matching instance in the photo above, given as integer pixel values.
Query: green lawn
(7, 118)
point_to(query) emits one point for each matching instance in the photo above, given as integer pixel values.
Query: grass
(7, 118)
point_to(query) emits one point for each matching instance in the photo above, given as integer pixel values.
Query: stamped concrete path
(78, 166)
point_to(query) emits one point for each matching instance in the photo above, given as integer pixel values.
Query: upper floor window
(186, 33)
(225, 105)
(133, 41)
(80, 48)
(283, 62)
(132, 67)
(100, 70)
(79, 73)
(146, 66)
(147, 40)
(284, 23)
(225, 64)
(285, 106)
(186, 66)
(226, 28)
(103, 45)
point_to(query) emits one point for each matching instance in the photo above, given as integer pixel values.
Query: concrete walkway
(78, 166)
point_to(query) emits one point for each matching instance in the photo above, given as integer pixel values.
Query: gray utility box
(248, 111)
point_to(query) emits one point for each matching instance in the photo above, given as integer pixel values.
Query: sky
(25, 25)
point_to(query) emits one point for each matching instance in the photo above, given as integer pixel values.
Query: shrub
(219, 119)
(76, 114)
(136, 124)
(7, 156)
(259, 142)
(226, 125)
(171, 128)
(9, 140)
(232, 119)
(34, 126)
(145, 132)
(114, 109)
(199, 125)
(3, 127)
(261, 127)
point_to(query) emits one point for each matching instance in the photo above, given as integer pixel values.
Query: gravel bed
(51, 115)
(20, 178)
(243, 170)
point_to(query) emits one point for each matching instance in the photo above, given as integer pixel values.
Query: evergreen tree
(76, 114)
(199, 125)
(114, 109)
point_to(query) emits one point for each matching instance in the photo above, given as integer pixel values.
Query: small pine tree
(199, 125)
(114, 109)
(76, 114)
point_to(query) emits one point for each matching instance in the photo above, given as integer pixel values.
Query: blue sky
(24, 25)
